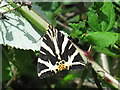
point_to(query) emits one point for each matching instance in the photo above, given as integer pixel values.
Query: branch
(104, 62)
(104, 75)
(65, 26)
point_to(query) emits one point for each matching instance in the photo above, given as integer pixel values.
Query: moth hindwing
(56, 54)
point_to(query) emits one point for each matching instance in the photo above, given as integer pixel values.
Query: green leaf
(106, 51)
(102, 39)
(102, 21)
(75, 26)
(54, 15)
(75, 32)
(104, 25)
(75, 18)
(57, 11)
(51, 11)
(82, 24)
(17, 32)
(118, 41)
(108, 10)
(44, 4)
(93, 20)
(40, 10)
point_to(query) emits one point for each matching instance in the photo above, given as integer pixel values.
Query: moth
(57, 54)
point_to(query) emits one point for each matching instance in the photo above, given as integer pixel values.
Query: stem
(62, 17)
(12, 79)
(104, 62)
(13, 69)
(58, 22)
(103, 74)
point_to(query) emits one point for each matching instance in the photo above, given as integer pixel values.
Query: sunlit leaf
(93, 20)
(108, 10)
(17, 32)
(102, 39)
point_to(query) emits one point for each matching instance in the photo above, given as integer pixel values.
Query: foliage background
(96, 24)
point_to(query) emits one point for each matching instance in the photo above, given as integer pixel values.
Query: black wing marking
(56, 54)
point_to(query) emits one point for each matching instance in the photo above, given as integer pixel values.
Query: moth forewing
(47, 48)
(75, 63)
(78, 63)
(53, 35)
(73, 56)
(43, 71)
(48, 64)
(64, 44)
(81, 52)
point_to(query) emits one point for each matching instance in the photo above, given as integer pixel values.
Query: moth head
(61, 65)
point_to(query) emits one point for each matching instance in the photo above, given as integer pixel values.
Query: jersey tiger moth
(56, 54)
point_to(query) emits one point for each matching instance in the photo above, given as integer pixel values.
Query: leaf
(104, 25)
(82, 24)
(75, 26)
(44, 4)
(118, 41)
(37, 9)
(93, 20)
(102, 39)
(17, 32)
(75, 32)
(102, 21)
(106, 51)
(75, 19)
(108, 10)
